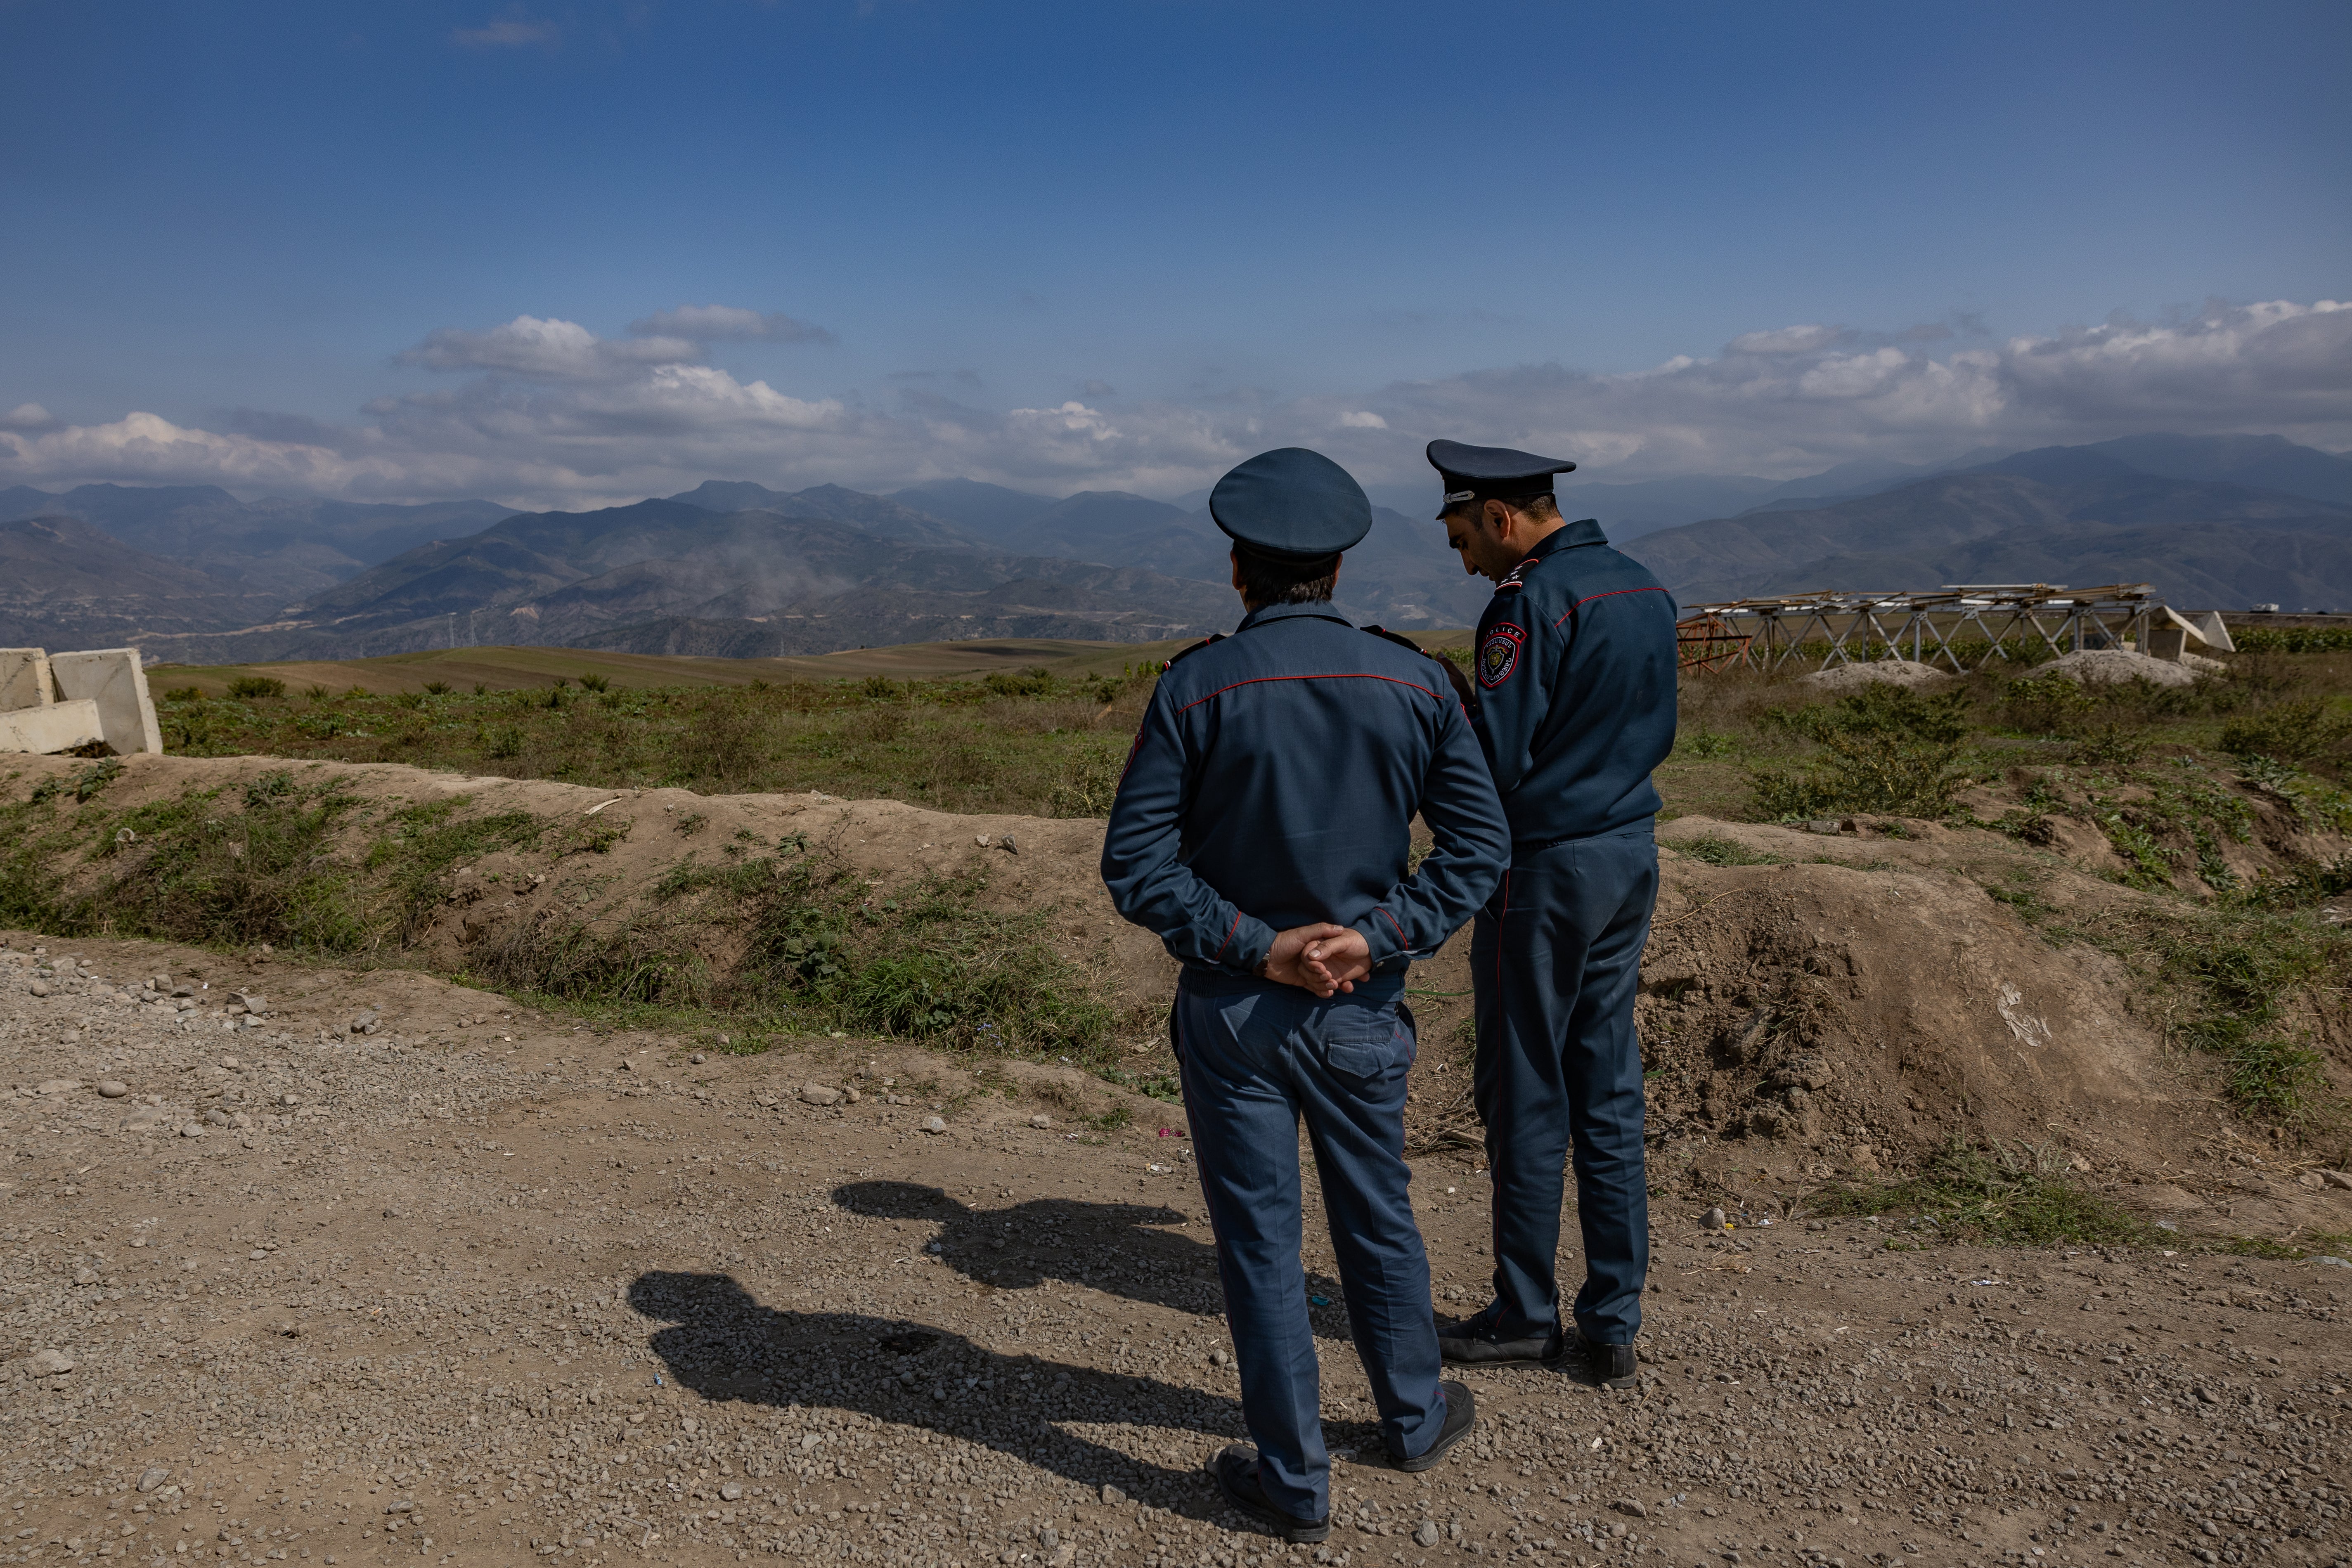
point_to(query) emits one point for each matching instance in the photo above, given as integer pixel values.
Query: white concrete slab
(112, 678)
(25, 679)
(59, 727)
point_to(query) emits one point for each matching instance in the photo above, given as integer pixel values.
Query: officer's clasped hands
(1290, 963)
(1337, 962)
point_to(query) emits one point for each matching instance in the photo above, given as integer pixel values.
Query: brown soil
(481, 1243)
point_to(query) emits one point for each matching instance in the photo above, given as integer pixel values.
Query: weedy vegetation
(1029, 741)
(2001, 1195)
(2219, 798)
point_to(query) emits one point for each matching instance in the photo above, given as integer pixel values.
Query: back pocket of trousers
(1367, 1050)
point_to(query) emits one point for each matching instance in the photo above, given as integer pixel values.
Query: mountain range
(2080, 516)
(734, 568)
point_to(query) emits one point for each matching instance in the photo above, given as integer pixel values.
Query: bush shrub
(1883, 748)
(2301, 731)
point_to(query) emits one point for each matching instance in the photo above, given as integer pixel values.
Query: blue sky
(1066, 246)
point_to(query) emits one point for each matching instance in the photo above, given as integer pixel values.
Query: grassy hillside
(513, 669)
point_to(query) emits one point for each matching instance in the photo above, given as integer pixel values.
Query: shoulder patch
(1515, 577)
(1499, 653)
(1168, 664)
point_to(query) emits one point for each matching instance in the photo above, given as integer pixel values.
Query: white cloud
(543, 412)
(1798, 399)
(1786, 341)
(729, 324)
(513, 32)
(543, 350)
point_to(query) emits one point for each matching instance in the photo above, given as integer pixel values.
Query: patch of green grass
(424, 846)
(218, 871)
(2288, 1249)
(1027, 741)
(2241, 962)
(1717, 850)
(1883, 749)
(270, 863)
(1164, 1087)
(2001, 1195)
(822, 950)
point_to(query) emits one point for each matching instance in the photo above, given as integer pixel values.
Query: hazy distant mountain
(1631, 510)
(635, 576)
(2070, 517)
(273, 546)
(1099, 603)
(2269, 462)
(988, 511)
(65, 584)
(876, 515)
(1125, 530)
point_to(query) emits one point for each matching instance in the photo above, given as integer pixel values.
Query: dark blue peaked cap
(1293, 505)
(1472, 473)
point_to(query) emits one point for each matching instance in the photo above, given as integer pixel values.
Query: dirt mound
(1904, 672)
(1835, 1006)
(2114, 665)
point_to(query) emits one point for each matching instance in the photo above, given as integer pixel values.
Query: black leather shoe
(1461, 1415)
(1236, 1472)
(1474, 1343)
(1611, 1366)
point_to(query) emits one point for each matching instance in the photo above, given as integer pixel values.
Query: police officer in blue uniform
(1268, 806)
(1573, 666)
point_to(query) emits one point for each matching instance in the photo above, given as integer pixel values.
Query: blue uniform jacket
(1574, 662)
(1274, 783)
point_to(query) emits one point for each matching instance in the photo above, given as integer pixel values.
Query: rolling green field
(507, 669)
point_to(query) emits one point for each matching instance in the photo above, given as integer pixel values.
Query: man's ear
(1235, 557)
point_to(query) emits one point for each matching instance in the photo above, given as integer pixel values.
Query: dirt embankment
(1814, 1008)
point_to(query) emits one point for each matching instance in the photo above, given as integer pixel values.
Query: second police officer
(1268, 802)
(1573, 666)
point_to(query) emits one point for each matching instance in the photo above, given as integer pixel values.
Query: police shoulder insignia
(1498, 653)
(1168, 664)
(1513, 579)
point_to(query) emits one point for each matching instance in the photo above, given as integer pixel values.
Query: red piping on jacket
(1498, 941)
(1611, 594)
(1260, 680)
(1229, 933)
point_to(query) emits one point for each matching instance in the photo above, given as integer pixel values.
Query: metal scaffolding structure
(1765, 634)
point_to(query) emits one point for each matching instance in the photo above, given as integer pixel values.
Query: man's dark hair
(1543, 504)
(1266, 581)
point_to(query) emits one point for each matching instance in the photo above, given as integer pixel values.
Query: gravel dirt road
(476, 1285)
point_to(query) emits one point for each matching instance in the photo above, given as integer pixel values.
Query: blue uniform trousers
(1556, 959)
(1257, 1057)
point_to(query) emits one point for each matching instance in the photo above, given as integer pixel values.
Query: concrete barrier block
(112, 678)
(58, 727)
(25, 679)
